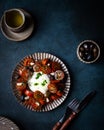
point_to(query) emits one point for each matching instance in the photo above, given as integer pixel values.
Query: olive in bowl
(88, 51)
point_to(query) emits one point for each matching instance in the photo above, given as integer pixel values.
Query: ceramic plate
(6, 124)
(40, 56)
(13, 36)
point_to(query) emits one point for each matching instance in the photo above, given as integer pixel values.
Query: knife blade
(80, 107)
(69, 114)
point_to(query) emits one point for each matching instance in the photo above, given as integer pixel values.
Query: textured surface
(60, 25)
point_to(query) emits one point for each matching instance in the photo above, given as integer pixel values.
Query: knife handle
(67, 122)
(57, 126)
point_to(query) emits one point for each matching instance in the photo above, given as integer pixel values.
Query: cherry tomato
(55, 66)
(33, 103)
(54, 81)
(38, 95)
(54, 97)
(52, 88)
(29, 62)
(37, 66)
(28, 93)
(20, 86)
(36, 105)
(59, 93)
(24, 73)
(45, 61)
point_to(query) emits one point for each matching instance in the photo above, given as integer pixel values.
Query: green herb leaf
(44, 83)
(38, 75)
(36, 84)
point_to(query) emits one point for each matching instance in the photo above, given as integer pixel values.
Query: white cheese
(39, 81)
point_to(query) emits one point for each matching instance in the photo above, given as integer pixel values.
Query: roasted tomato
(55, 66)
(59, 93)
(55, 81)
(33, 103)
(45, 61)
(24, 73)
(52, 88)
(29, 62)
(38, 96)
(28, 93)
(20, 84)
(37, 66)
(53, 97)
(46, 69)
(59, 75)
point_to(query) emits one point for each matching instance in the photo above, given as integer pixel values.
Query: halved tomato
(52, 88)
(59, 75)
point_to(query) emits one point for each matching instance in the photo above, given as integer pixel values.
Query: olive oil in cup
(14, 19)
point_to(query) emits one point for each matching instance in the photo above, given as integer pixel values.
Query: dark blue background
(60, 25)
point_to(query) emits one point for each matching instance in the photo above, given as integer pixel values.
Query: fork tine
(72, 102)
(74, 105)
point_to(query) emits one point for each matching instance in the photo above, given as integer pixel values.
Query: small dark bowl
(88, 51)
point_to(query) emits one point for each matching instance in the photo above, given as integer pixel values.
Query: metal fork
(72, 106)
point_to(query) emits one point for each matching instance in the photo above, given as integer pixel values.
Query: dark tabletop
(60, 25)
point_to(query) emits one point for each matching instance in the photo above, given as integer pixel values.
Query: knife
(62, 123)
(80, 107)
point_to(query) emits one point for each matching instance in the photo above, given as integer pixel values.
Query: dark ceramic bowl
(88, 51)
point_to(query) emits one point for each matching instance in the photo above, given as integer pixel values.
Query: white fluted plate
(40, 56)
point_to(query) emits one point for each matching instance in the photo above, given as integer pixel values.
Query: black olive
(89, 57)
(22, 98)
(91, 46)
(81, 48)
(30, 68)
